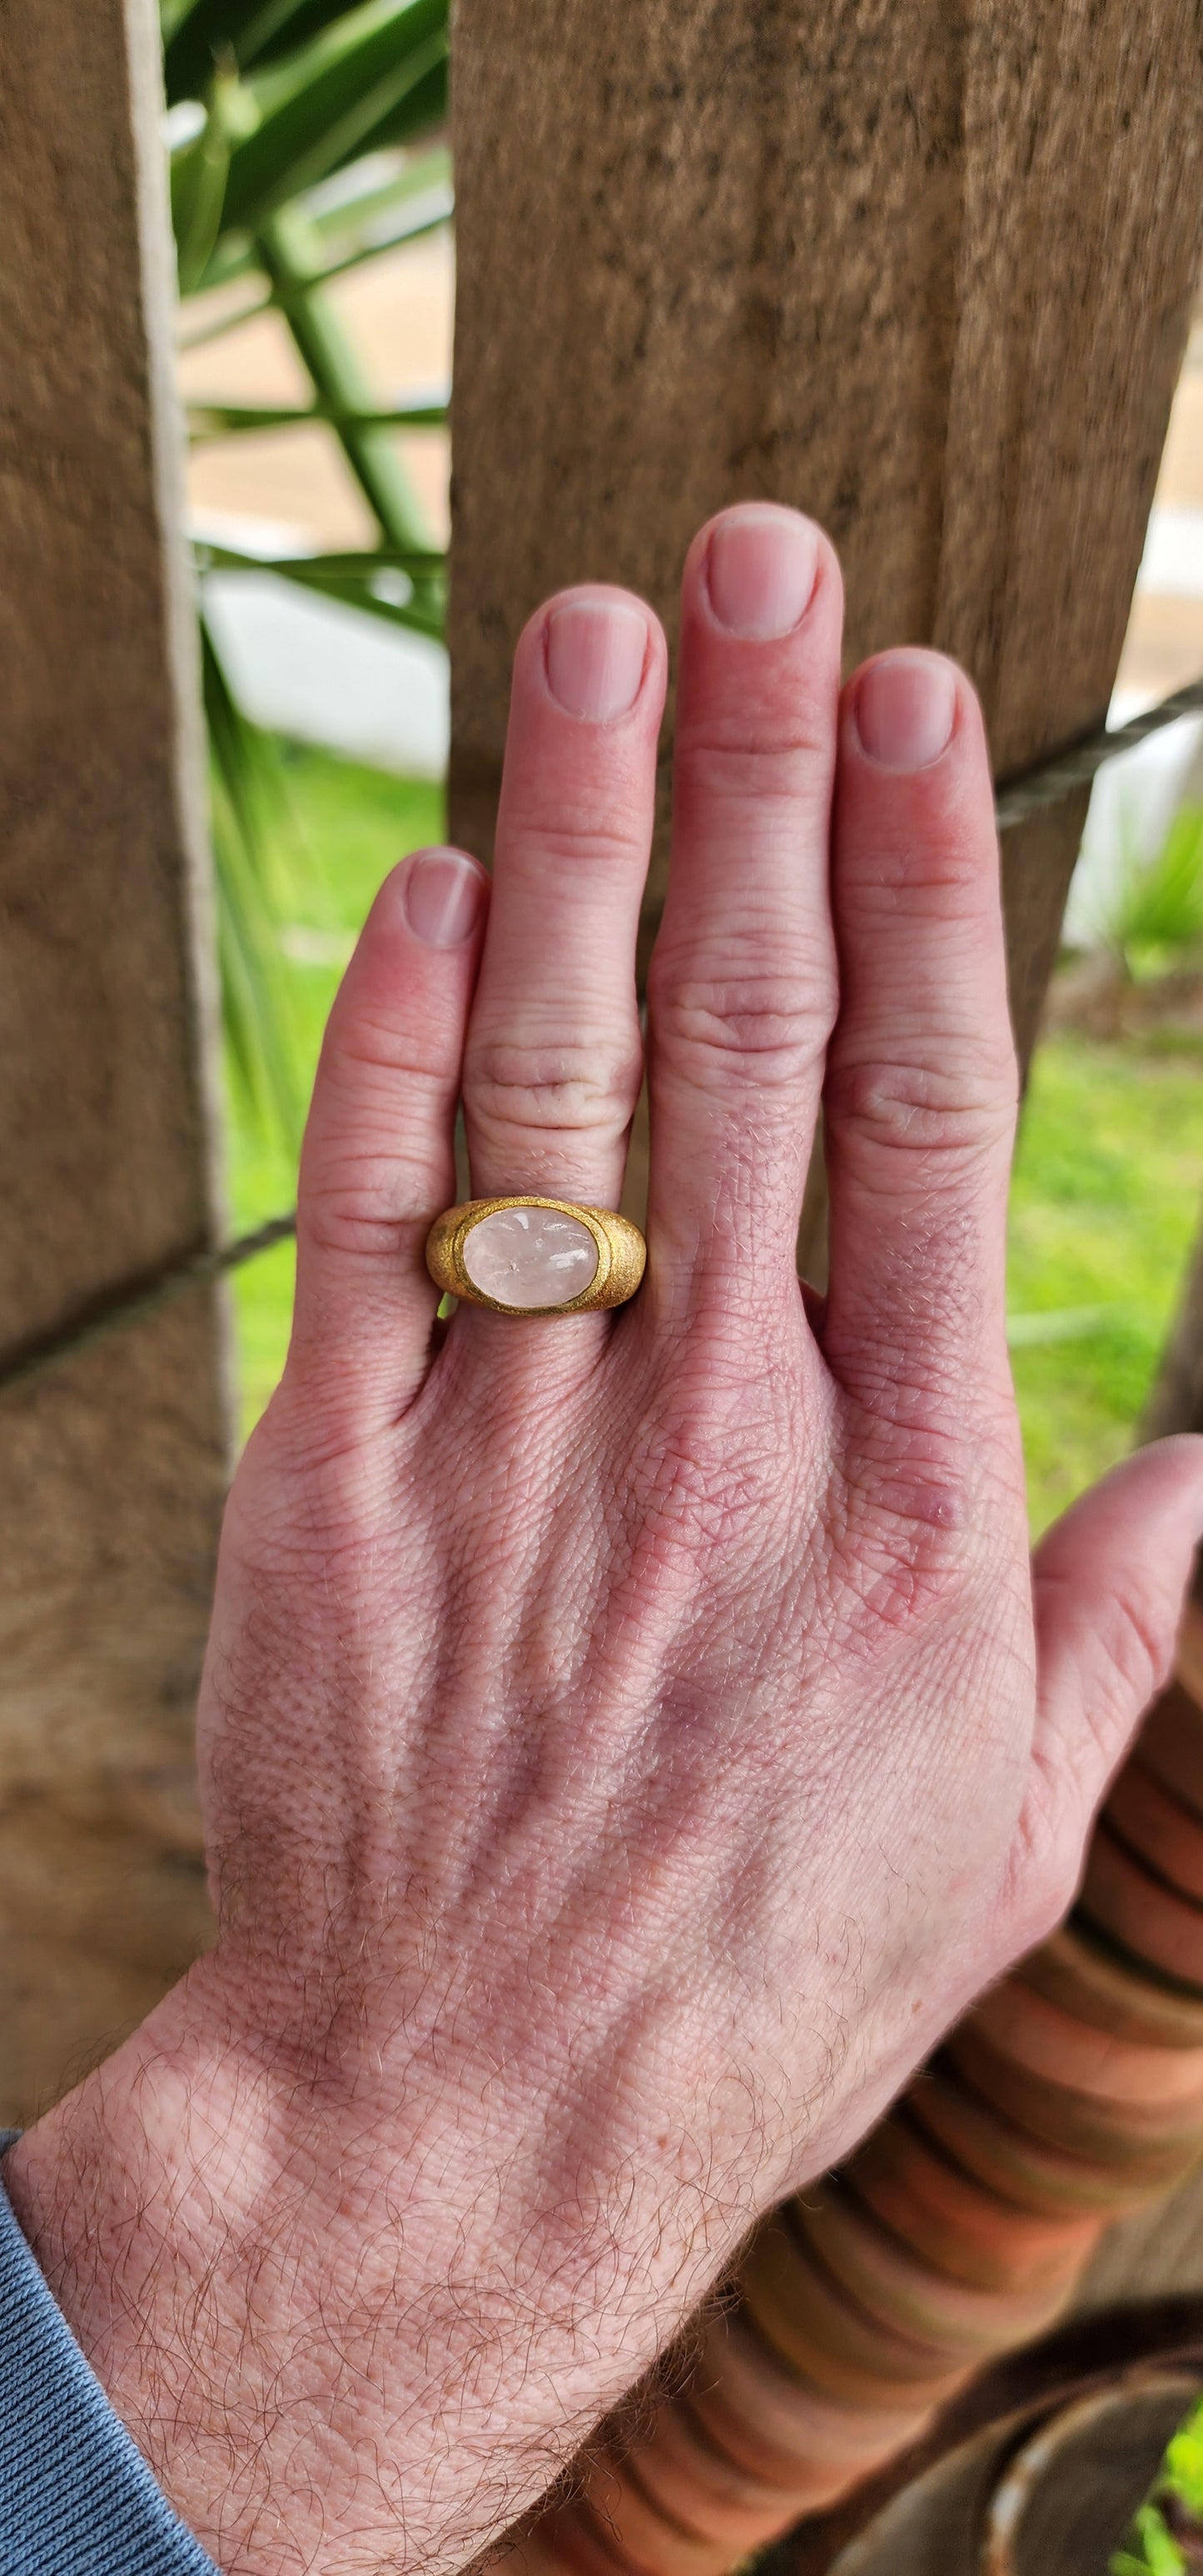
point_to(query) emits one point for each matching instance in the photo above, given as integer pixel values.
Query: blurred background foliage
(270, 102)
(1166, 2538)
(1152, 920)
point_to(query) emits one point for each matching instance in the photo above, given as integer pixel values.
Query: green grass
(1106, 1200)
(1108, 1182)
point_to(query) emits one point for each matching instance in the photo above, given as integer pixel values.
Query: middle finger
(742, 987)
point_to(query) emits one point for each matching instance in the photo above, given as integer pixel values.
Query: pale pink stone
(530, 1256)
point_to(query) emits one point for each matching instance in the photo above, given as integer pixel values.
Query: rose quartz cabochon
(530, 1256)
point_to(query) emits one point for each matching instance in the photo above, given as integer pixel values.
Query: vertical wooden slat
(1176, 1402)
(112, 1464)
(924, 270)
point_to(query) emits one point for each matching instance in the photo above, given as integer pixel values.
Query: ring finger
(553, 1060)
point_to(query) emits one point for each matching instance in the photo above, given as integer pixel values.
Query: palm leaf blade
(198, 36)
(255, 999)
(333, 110)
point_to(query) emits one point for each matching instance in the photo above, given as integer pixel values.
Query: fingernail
(904, 708)
(596, 649)
(761, 569)
(441, 894)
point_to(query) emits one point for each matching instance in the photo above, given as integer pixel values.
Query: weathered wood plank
(112, 1465)
(923, 270)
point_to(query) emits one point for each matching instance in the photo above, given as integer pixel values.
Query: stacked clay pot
(1071, 2094)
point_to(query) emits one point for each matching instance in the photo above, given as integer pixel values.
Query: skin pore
(627, 1741)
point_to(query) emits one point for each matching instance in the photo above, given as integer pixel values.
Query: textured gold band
(621, 1254)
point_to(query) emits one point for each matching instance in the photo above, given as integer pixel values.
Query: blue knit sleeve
(76, 2495)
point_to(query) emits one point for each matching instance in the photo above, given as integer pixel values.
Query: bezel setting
(621, 1253)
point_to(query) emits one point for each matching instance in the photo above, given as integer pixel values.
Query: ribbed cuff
(76, 2495)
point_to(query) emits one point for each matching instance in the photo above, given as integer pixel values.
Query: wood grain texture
(112, 1466)
(923, 270)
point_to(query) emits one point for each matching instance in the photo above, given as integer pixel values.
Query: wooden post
(922, 269)
(1176, 1402)
(112, 1462)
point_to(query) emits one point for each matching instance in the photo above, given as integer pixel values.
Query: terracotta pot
(1170, 1745)
(527, 2551)
(630, 2523)
(830, 2340)
(593, 2544)
(967, 2230)
(907, 2294)
(570, 2539)
(1096, 1984)
(1158, 1828)
(758, 2410)
(1152, 2146)
(1139, 2079)
(1123, 1898)
(695, 2484)
(1009, 2160)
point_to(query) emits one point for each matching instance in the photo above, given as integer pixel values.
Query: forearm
(301, 2351)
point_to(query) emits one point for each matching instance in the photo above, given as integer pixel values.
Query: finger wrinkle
(767, 772)
(539, 838)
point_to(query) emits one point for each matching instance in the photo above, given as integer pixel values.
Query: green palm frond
(401, 586)
(379, 77)
(198, 33)
(280, 182)
(256, 1009)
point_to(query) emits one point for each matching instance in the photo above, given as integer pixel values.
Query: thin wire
(126, 1305)
(1052, 779)
(1044, 785)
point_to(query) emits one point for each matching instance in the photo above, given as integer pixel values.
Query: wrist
(142, 2195)
(277, 2296)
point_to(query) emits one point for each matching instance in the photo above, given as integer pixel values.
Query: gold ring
(535, 1256)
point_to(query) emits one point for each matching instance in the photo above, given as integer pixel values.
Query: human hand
(627, 1742)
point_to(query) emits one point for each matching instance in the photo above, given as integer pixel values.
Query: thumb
(1108, 1582)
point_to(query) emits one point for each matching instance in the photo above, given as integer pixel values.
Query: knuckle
(363, 1186)
(366, 1207)
(555, 833)
(946, 1120)
(749, 1012)
(362, 1043)
(586, 1085)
